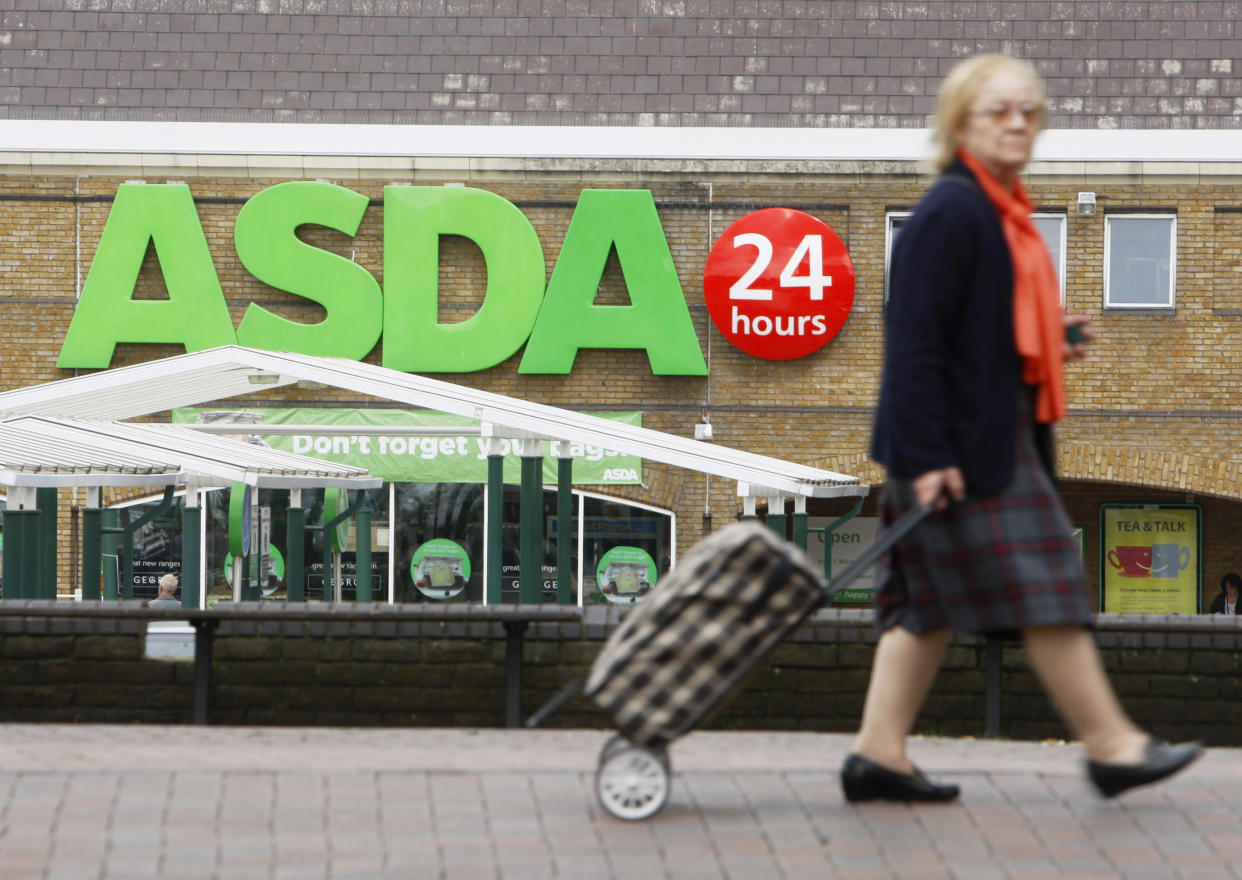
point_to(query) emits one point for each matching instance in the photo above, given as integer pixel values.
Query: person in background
(972, 383)
(1227, 601)
(167, 595)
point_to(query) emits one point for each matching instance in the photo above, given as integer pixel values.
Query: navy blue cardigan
(949, 393)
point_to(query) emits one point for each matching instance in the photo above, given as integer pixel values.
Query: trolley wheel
(632, 782)
(614, 742)
(618, 741)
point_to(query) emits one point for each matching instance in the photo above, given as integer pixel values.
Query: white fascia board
(1147, 145)
(457, 141)
(109, 442)
(137, 389)
(293, 481)
(584, 142)
(206, 459)
(751, 490)
(87, 479)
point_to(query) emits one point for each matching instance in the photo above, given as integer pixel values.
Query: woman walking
(972, 385)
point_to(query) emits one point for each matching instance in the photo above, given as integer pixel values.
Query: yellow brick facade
(1153, 418)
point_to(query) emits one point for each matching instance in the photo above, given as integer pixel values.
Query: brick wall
(1175, 683)
(1152, 409)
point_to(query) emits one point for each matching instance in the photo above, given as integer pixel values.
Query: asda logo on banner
(405, 458)
(553, 320)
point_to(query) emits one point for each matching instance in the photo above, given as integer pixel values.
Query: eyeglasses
(1001, 112)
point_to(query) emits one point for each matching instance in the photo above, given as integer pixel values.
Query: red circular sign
(779, 284)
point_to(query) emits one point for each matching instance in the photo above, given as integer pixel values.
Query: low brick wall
(1179, 677)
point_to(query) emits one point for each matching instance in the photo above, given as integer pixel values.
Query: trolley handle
(890, 536)
(559, 699)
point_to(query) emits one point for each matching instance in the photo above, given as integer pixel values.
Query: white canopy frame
(231, 371)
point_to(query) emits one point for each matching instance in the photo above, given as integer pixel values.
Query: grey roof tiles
(797, 63)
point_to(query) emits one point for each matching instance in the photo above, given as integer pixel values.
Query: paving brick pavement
(132, 802)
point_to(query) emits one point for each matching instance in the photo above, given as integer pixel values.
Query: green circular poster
(275, 563)
(625, 574)
(440, 568)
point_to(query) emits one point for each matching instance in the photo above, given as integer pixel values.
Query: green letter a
(194, 314)
(657, 318)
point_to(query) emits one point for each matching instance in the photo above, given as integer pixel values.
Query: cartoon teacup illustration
(1131, 561)
(1169, 560)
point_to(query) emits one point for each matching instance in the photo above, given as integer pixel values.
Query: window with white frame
(893, 221)
(1052, 228)
(1140, 261)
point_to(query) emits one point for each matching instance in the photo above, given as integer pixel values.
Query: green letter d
(414, 219)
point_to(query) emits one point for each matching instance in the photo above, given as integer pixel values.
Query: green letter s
(194, 314)
(268, 246)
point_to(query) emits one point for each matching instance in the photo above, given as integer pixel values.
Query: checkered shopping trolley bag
(687, 647)
(694, 641)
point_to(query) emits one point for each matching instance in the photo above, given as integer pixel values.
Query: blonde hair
(959, 90)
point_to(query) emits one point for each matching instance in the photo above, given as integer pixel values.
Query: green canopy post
(776, 514)
(45, 502)
(21, 544)
(295, 548)
(191, 525)
(530, 587)
(800, 522)
(565, 529)
(495, 521)
(92, 547)
(362, 550)
(109, 553)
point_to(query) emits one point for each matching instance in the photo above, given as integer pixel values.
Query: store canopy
(39, 451)
(30, 459)
(231, 371)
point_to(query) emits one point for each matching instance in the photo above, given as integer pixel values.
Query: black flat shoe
(865, 780)
(1162, 760)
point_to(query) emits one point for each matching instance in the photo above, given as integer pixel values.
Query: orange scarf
(1038, 323)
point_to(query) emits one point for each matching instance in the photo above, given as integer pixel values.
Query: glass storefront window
(268, 566)
(511, 547)
(317, 502)
(435, 537)
(627, 549)
(439, 542)
(156, 545)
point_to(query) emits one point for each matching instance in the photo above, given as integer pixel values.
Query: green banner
(438, 458)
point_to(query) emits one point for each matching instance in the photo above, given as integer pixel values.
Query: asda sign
(552, 320)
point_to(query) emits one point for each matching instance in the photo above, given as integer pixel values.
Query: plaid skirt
(986, 565)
